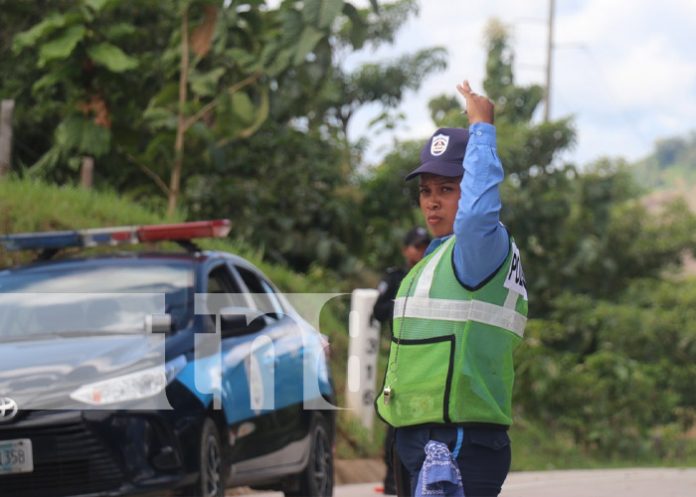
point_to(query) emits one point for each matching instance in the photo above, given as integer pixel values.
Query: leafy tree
(302, 158)
(81, 61)
(301, 216)
(213, 80)
(216, 51)
(613, 373)
(234, 65)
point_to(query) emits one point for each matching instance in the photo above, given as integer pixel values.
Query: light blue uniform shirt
(482, 242)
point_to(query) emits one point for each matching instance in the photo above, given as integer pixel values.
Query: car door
(241, 352)
(279, 355)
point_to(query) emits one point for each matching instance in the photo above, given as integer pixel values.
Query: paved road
(577, 483)
(603, 483)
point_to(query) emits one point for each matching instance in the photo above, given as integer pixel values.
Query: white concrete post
(363, 350)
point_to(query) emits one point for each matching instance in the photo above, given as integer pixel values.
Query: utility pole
(6, 108)
(549, 61)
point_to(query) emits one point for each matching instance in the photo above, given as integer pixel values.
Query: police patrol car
(153, 373)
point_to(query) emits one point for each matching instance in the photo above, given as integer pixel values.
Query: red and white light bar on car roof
(53, 240)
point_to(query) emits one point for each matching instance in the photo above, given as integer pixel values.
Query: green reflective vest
(450, 359)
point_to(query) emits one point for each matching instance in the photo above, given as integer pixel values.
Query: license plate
(16, 456)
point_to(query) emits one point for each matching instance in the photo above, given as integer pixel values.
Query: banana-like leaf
(46, 81)
(96, 5)
(169, 94)
(160, 118)
(321, 13)
(261, 115)
(311, 10)
(61, 47)
(309, 39)
(206, 84)
(119, 30)
(112, 57)
(31, 36)
(281, 62)
(82, 135)
(243, 107)
(46, 163)
(358, 27)
(330, 9)
(246, 61)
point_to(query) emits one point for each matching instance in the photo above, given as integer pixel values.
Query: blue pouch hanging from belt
(439, 475)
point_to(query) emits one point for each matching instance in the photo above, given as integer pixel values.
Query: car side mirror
(240, 321)
(158, 323)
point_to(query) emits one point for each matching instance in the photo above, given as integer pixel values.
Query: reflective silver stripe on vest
(460, 310)
(425, 279)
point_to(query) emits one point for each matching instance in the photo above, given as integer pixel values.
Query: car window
(272, 297)
(221, 282)
(262, 292)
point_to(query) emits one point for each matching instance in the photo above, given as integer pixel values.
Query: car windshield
(73, 298)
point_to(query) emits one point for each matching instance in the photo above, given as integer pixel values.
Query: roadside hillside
(672, 164)
(28, 206)
(669, 174)
(655, 200)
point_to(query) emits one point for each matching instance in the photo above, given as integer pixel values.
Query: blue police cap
(443, 153)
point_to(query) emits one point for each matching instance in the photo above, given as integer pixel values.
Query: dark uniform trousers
(484, 458)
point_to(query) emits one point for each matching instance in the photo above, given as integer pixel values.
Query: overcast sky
(625, 69)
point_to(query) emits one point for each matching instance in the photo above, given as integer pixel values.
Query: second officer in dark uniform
(414, 245)
(413, 248)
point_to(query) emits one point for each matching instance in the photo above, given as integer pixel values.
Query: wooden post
(6, 109)
(87, 172)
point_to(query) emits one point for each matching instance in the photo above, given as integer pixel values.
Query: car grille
(68, 459)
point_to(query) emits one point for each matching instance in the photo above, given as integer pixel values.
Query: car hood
(40, 374)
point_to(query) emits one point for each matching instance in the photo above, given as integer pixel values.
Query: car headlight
(133, 386)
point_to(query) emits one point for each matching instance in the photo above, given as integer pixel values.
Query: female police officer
(458, 315)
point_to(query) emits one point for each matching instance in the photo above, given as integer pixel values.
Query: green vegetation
(220, 109)
(31, 205)
(204, 109)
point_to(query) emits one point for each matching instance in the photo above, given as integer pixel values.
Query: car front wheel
(211, 480)
(317, 479)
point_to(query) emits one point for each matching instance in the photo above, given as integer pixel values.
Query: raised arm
(482, 242)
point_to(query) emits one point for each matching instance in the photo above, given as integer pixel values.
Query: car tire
(317, 479)
(211, 479)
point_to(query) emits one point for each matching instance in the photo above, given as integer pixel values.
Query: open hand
(478, 107)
